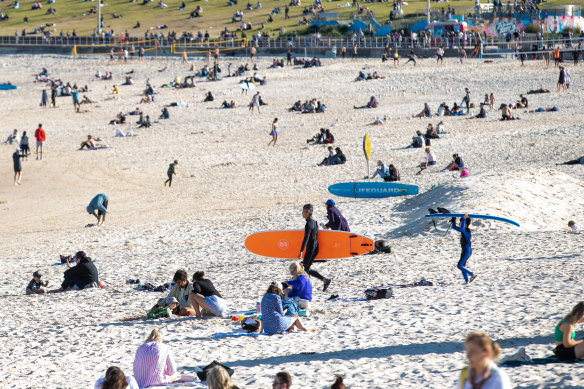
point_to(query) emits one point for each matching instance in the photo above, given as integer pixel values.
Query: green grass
(216, 15)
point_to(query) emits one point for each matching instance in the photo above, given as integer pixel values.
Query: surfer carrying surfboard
(465, 245)
(310, 243)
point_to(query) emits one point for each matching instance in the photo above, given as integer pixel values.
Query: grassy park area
(75, 15)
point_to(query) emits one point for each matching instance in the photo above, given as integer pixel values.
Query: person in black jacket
(204, 295)
(310, 243)
(80, 276)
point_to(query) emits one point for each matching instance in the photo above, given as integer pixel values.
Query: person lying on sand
(225, 104)
(577, 161)
(87, 100)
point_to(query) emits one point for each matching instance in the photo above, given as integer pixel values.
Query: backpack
(157, 312)
(378, 293)
(250, 324)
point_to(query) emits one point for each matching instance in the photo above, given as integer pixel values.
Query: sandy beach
(229, 184)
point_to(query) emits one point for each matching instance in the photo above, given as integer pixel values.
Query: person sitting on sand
(146, 99)
(145, 123)
(388, 174)
(338, 384)
(163, 308)
(225, 104)
(371, 104)
(205, 296)
(81, 276)
(181, 291)
(431, 132)
(87, 100)
(209, 97)
(456, 164)
(165, 114)
(522, 103)
(426, 112)
(154, 364)
(273, 319)
(573, 227)
(299, 287)
(506, 113)
(297, 107)
(319, 138)
(89, 143)
(336, 220)
(99, 203)
(36, 286)
(430, 160)
(455, 110)
(116, 379)
(331, 154)
(13, 138)
(338, 158)
(309, 106)
(418, 141)
(482, 113)
(482, 371)
(361, 76)
(320, 107)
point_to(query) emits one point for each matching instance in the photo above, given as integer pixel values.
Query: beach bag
(203, 374)
(251, 324)
(157, 312)
(378, 293)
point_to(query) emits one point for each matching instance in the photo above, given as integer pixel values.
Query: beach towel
(237, 333)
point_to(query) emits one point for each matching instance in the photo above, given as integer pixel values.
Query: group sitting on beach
(334, 158)
(369, 76)
(323, 137)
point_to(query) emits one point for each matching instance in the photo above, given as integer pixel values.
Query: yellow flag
(367, 146)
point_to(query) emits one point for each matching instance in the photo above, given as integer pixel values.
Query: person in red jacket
(40, 136)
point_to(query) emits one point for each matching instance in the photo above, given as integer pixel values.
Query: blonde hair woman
(153, 363)
(482, 372)
(218, 378)
(299, 287)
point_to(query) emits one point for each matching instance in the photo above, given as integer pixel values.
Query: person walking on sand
(465, 245)
(171, 172)
(274, 132)
(310, 243)
(252, 53)
(99, 203)
(16, 159)
(255, 102)
(40, 136)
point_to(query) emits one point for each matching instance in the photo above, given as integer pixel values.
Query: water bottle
(258, 308)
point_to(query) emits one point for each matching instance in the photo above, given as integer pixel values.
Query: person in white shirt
(430, 160)
(13, 138)
(482, 372)
(115, 378)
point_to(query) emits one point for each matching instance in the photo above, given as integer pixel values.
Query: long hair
(485, 343)
(218, 378)
(155, 335)
(577, 312)
(273, 288)
(114, 379)
(338, 384)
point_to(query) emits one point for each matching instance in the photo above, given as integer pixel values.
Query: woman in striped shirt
(153, 363)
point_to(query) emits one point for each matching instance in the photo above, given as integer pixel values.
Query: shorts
(40, 143)
(216, 304)
(565, 353)
(25, 147)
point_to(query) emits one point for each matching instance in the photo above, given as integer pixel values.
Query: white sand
(240, 186)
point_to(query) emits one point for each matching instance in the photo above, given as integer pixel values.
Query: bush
(338, 30)
(532, 28)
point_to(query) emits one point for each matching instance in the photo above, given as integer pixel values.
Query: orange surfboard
(286, 244)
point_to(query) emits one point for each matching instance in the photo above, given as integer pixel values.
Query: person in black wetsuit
(310, 243)
(465, 245)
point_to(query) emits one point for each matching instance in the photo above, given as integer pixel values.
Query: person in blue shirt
(465, 244)
(98, 203)
(387, 174)
(336, 221)
(299, 287)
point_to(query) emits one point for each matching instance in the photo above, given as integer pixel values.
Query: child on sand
(568, 349)
(36, 286)
(573, 226)
(482, 371)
